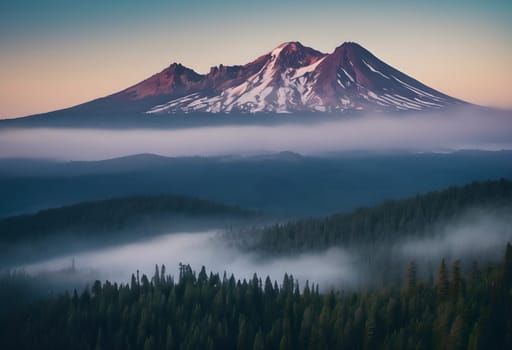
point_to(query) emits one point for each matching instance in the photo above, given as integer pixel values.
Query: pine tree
(442, 281)
(149, 343)
(156, 276)
(241, 343)
(456, 337)
(455, 282)
(411, 277)
(259, 342)
(99, 340)
(474, 342)
(169, 342)
(284, 344)
(162, 274)
(507, 266)
(370, 330)
(202, 278)
(133, 282)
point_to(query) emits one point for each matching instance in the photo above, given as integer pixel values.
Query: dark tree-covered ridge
(116, 214)
(390, 221)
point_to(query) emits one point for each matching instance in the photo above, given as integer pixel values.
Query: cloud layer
(424, 132)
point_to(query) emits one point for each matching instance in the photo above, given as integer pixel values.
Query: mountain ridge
(294, 78)
(291, 78)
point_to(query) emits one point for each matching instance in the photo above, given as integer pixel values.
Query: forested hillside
(99, 217)
(386, 223)
(103, 223)
(460, 310)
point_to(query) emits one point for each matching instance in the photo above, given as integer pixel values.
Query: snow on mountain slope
(280, 86)
(293, 78)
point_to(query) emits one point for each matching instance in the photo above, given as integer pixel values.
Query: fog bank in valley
(420, 132)
(202, 249)
(479, 235)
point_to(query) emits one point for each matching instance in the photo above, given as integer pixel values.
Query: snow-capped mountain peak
(294, 78)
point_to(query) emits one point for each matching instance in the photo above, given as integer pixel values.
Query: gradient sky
(59, 53)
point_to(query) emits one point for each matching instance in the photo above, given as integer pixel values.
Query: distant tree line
(471, 310)
(117, 214)
(388, 222)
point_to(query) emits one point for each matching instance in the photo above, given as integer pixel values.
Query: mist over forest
(339, 251)
(478, 235)
(309, 214)
(285, 170)
(446, 246)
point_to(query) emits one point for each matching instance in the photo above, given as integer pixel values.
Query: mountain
(291, 78)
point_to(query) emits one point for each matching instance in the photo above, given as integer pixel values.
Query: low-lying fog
(424, 132)
(198, 249)
(478, 233)
(481, 235)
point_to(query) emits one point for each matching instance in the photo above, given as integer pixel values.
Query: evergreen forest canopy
(389, 222)
(463, 306)
(103, 223)
(147, 213)
(460, 310)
